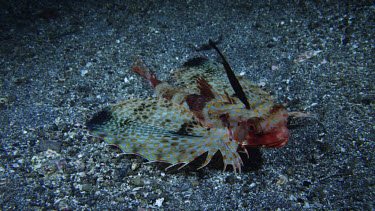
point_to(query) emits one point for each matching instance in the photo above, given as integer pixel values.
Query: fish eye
(253, 126)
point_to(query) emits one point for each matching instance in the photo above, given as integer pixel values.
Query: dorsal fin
(205, 88)
(232, 78)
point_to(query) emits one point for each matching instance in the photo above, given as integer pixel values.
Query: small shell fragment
(281, 180)
(307, 55)
(159, 202)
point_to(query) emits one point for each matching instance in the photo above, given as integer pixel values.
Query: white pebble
(159, 202)
(84, 72)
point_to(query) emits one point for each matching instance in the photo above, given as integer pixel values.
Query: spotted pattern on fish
(203, 116)
(160, 130)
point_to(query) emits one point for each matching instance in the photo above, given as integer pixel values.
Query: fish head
(270, 131)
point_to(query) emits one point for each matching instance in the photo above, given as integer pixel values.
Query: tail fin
(142, 70)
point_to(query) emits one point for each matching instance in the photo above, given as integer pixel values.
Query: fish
(212, 109)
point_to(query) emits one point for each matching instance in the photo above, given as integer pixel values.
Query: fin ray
(214, 74)
(169, 133)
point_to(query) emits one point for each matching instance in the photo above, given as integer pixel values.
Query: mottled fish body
(207, 115)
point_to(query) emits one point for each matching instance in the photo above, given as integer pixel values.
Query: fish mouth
(276, 144)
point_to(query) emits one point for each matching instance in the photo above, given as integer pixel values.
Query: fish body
(204, 116)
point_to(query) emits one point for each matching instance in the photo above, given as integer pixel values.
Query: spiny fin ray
(232, 78)
(214, 74)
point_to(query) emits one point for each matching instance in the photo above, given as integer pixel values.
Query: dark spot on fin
(205, 88)
(99, 118)
(197, 102)
(185, 128)
(232, 78)
(195, 62)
